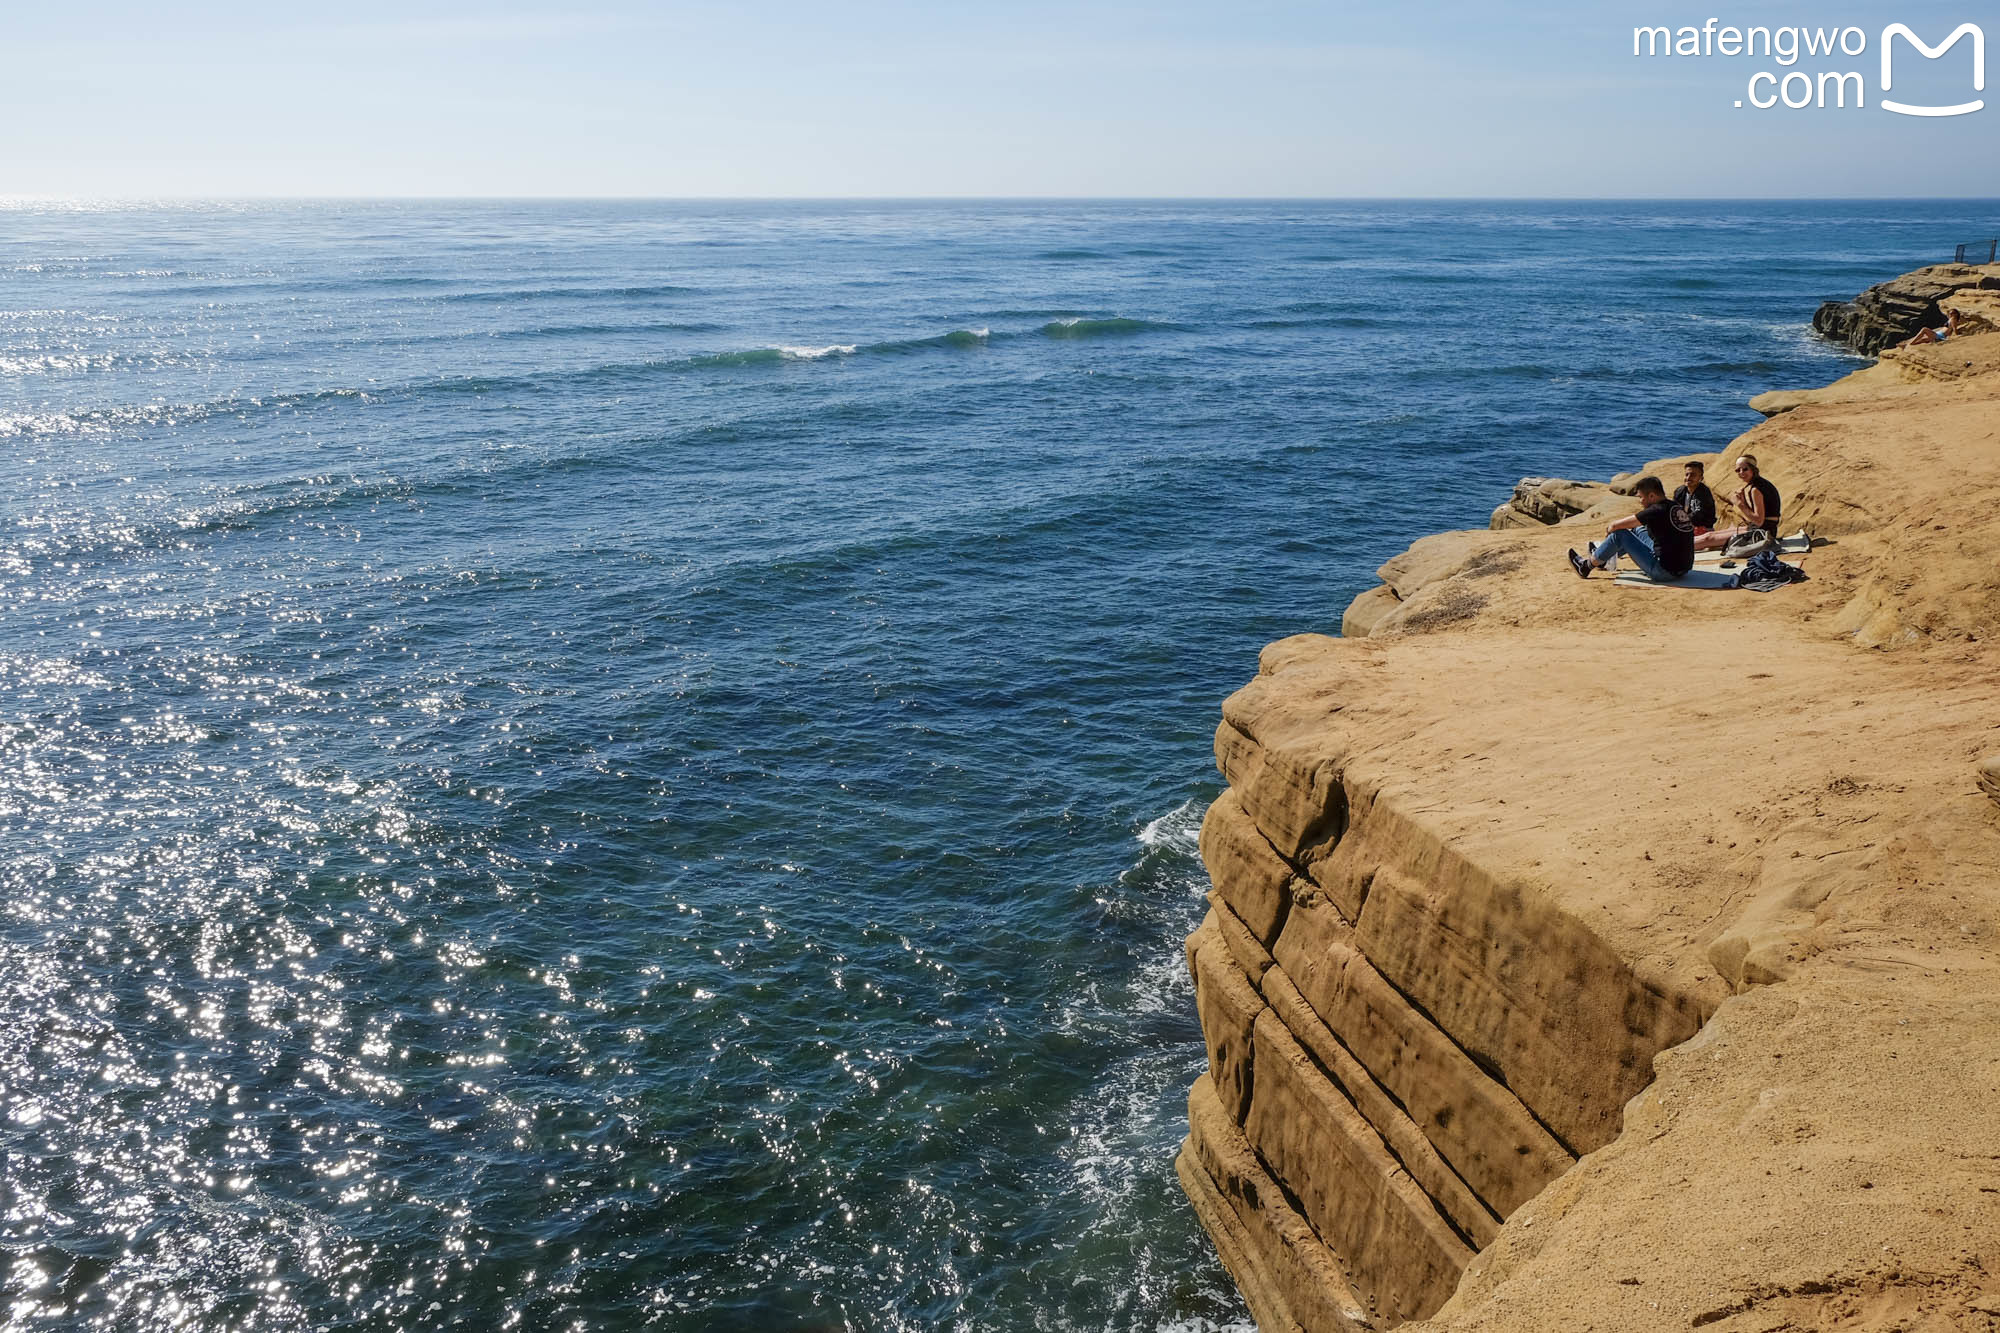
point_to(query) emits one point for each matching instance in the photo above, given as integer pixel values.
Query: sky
(1259, 98)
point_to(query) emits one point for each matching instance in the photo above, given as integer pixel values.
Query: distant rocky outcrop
(1540, 501)
(1892, 311)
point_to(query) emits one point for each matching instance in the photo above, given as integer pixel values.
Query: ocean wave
(579, 331)
(1115, 327)
(1734, 368)
(956, 338)
(1178, 830)
(97, 421)
(1323, 322)
(764, 356)
(401, 287)
(626, 293)
(113, 536)
(88, 316)
(104, 420)
(1032, 314)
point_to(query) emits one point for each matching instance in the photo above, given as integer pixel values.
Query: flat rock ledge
(1582, 956)
(1541, 501)
(1890, 312)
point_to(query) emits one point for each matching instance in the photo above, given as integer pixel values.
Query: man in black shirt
(1696, 498)
(1659, 538)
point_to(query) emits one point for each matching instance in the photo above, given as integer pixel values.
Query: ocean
(636, 765)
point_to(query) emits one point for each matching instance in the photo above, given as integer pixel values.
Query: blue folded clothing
(1765, 572)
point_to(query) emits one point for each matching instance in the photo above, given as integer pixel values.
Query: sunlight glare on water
(638, 766)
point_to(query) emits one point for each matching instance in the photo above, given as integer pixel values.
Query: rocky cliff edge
(1585, 956)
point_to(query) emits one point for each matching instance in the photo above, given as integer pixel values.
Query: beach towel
(1796, 544)
(1709, 579)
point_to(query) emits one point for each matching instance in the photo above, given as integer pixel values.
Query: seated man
(1696, 498)
(1948, 329)
(1659, 538)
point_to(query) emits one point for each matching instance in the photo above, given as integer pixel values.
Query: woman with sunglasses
(1756, 500)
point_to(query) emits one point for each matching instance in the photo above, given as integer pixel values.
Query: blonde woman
(1756, 499)
(1948, 329)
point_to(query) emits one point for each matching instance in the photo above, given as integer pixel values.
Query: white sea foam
(817, 353)
(1178, 830)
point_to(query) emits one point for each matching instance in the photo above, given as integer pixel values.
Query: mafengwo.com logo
(1821, 68)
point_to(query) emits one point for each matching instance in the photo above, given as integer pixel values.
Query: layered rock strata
(1540, 501)
(1588, 956)
(1890, 312)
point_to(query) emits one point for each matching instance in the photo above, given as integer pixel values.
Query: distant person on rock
(1659, 538)
(1948, 329)
(1756, 500)
(1696, 498)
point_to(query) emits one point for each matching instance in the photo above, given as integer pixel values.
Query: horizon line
(30, 199)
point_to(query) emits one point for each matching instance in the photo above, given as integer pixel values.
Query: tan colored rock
(1288, 1276)
(1245, 869)
(1430, 560)
(1891, 311)
(1476, 1123)
(1404, 1258)
(1977, 311)
(1523, 987)
(1692, 881)
(1252, 959)
(1473, 1220)
(1964, 357)
(1884, 374)
(1540, 501)
(1367, 610)
(1801, 1165)
(1298, 803)
(1228, 1005)
(1506, 516)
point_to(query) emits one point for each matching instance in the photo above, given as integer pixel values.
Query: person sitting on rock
(1756, 500)
(1948, 329)
(1696, 498)
(1659, 538)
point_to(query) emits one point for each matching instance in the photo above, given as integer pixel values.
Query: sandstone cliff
(1584, 956)
(1890, 312)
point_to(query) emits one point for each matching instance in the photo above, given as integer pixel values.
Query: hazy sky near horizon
(898, 98)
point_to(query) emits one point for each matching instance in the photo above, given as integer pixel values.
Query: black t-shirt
(1770, 494)
(1672, 533)
(1699, 502)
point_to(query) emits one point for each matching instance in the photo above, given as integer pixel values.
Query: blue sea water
(606, 766)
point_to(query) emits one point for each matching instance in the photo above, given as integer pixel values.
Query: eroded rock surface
(1583, 955)
(1890, 312)
(1540, 501)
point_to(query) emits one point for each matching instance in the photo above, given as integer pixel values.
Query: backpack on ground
(1745, 545)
